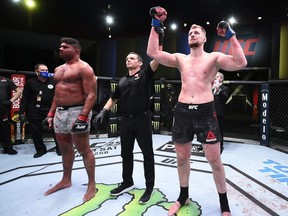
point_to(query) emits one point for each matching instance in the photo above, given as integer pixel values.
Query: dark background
(86, 18)
(29, 37)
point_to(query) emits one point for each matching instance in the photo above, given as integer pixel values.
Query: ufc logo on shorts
(193, 107)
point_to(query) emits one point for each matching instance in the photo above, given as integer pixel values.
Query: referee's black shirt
(134, 91)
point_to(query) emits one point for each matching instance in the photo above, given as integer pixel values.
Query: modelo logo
(264, 114)
(248, 46)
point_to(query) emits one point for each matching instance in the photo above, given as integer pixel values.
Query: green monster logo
(132, 208)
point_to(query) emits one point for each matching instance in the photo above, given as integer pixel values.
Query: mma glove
(158, 15)
(45, 122)
(81, 124)
(224, 28)
(98, 120)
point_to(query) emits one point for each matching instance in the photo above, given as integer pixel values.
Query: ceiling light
(109, 19)
(173, 26)
(31, 4)
(232, 20)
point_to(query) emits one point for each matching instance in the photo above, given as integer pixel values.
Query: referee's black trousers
(140, 129)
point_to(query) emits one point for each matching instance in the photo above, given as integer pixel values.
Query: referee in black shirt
(134, 92)
(36, 101)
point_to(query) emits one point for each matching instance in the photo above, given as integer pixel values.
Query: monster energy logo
(156, 125)
(113, 86)
(113, 128)
(157, 107)
(157, 88)
(101, 200)
(114, 108)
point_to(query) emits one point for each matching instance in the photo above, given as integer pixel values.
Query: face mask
(46, 74)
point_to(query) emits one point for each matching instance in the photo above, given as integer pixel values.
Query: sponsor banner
(264, 115)
(113, 86)
(276, 171)
(170, 147)
(130, 208)
(113, 127)
(157, 88)
(156, 124)
(17, 127)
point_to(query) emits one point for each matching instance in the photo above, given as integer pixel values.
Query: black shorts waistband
(194, 106)
(134, 115)
(67, 107)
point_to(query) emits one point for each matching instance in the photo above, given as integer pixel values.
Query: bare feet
(90, 193)
(173, 210)
(61, 185)
(226, 214)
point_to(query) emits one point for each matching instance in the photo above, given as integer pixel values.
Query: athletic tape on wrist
(50, 114)
(83, 118)
(229, 33)
(156, 22)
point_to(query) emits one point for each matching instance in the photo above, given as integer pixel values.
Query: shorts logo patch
(193, 107)
(210, 137)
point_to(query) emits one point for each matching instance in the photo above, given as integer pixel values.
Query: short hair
(38, 65)
(198, 26)
(71, 41)
(138, 56)
(221, 75)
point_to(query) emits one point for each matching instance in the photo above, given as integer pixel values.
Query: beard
(66, 57)
(194, 45)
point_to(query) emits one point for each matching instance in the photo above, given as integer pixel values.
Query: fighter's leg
(183, 153)
(81, 141)
(66, 147)
(212, 153)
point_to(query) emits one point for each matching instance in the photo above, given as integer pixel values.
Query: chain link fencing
(244, 122)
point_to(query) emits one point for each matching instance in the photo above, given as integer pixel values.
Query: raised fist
(158, 13)
(224, 30)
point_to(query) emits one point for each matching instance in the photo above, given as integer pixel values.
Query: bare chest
(67, 75)
(198, 69)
